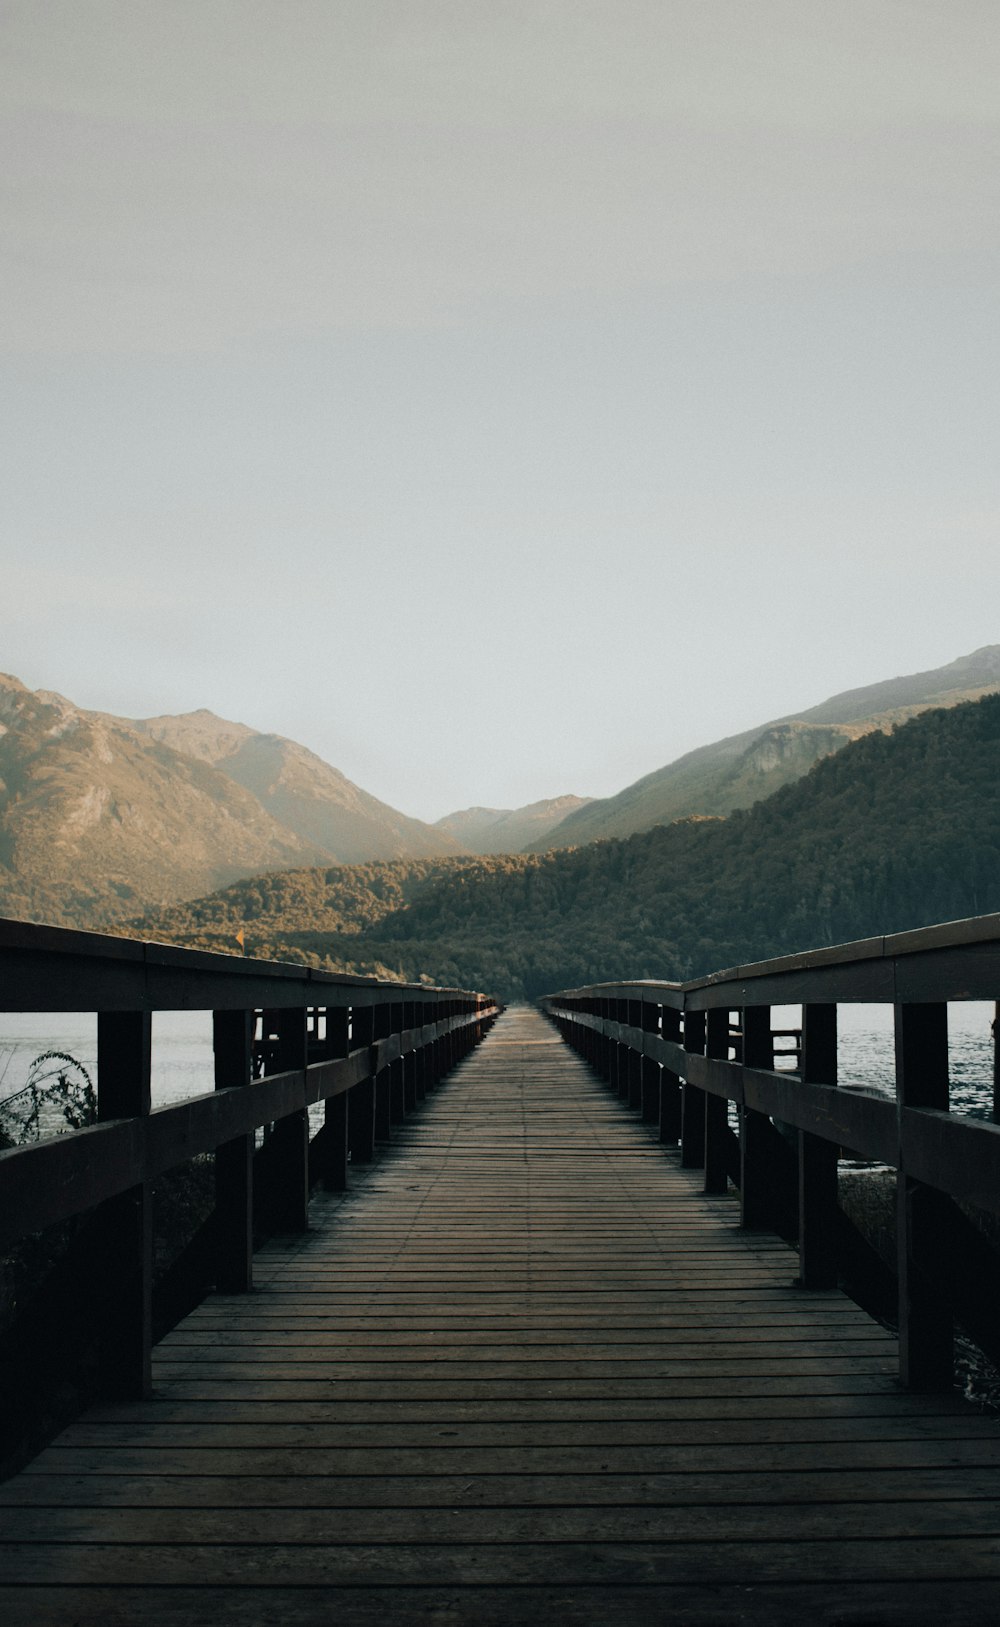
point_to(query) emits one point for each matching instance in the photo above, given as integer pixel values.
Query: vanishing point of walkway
(523, 1373)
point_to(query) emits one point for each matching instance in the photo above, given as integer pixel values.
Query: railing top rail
(956, 960)
(48, 968)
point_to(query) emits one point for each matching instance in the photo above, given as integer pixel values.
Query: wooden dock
(522, 1372)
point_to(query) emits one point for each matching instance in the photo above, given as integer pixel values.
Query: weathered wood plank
(672, 1432)
(559, 1564)
(784, 1604)
(872, 1487)
(860, 1521)
(386, 1411)
(449, 1456)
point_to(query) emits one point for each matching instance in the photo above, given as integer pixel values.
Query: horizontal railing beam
(856, 1118)
(48, 1181)
(957, 960)
(955, 1155)
(55, 969)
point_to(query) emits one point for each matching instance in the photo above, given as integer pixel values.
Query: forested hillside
(745, 768)
(895, 831)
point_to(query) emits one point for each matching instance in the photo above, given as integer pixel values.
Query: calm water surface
(866, 1055)
(182, 1050)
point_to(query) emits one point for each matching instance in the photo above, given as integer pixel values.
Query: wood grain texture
(522, 1370)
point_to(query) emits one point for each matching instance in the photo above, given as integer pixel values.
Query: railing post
(431, 1068)
(624, 1053)
(288, 1147)
(615, 1052)
(757, 1195)
(693, 1099)
(332, 1140)
(926, 1333)
(412, 1092)
(613, 1049)
(397, 1071)
(232, 1044)
(604, 1046)
(716, 1107)
(435, 1052)
(650, 1090)
(427, 1063)
(382, 1076)
(421, 1076)
(124, 1053)
(442, 1048)
(670, 1083)
(650, 1068)
(633, 1088)
(589, 1039)
(818, 1157)
(361, 1099)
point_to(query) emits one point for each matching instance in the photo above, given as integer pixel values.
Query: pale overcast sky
(499, 398)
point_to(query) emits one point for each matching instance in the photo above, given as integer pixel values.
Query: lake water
(865, 1051)
(182, 1050)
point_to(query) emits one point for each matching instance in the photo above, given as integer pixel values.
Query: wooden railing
(285, 1038)
(680, 1053)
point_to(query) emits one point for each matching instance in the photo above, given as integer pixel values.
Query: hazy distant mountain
(508, 830)
(302, 792)
(741, 770)
(101, 816)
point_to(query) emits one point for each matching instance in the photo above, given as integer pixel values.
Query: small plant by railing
(58, 1087)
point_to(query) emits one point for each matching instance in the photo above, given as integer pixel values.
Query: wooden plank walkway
(523, 1372)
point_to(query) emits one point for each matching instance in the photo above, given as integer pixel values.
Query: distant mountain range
(897, 830)
(508, 830)
(101, 816)
(104, 817)
(302, 793)
(743, 769)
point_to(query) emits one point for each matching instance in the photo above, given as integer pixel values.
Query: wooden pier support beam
(125, 1222)
(287, 1149)
(717, 1107)
(232, 1044)
(926, 1332)
(693, 1099)
(818, 1157)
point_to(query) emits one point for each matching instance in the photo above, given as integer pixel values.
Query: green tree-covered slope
(743, 769)
(895, 831)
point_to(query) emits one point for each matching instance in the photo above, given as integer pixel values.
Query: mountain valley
(895, 831)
